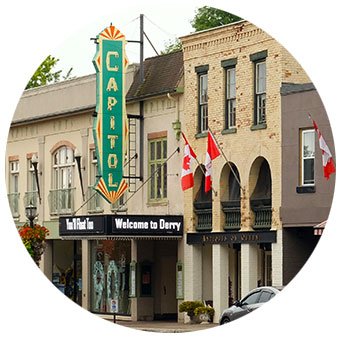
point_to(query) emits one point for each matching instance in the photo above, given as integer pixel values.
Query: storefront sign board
(121, 225)
(246, 237)
(81, 226)
(147, 225)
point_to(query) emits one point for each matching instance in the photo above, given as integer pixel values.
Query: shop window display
(67, 270)
(110, 276)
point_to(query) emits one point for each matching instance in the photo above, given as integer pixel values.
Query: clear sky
(77, 50)
(30, 30)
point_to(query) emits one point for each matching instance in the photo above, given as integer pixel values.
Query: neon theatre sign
(110, 127)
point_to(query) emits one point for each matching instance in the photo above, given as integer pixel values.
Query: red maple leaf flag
(328, 163)
(212, 152)
(187, 178)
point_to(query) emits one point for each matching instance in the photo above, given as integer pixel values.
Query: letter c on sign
(109, 54)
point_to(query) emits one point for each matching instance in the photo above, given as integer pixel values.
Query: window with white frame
(31, 195)
(157, 169)
(63, 162)
(62, 193)
(13, 195)
(308, 157)
(31, 182)
(14, 177)
(93, 168)
(260, 92)
(230, 120)
(95, 203)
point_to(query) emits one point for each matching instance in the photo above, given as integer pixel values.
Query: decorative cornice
(209, 43)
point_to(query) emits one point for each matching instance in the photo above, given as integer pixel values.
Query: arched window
(63, 161)
(231, 203)
(62, 193)
(261, 198)
(202, 204)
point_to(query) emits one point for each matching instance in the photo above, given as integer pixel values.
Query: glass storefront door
(109, 279)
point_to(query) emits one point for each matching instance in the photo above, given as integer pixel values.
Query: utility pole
(141, 103)
(141, 48)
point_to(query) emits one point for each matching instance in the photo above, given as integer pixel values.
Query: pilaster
(249, 267)
(220, 279)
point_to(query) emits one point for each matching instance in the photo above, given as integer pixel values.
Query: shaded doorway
(165, 302)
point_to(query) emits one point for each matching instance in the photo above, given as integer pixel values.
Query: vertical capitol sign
(110, 127)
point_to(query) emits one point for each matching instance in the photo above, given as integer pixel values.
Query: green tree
(172, 46)
(205, 18)
(208, 17)
(45, 73)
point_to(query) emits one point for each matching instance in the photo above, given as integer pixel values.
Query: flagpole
(224, 156)
(203, 171)
(148, 179)
(199, 164)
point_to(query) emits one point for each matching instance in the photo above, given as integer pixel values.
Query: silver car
(253, 300)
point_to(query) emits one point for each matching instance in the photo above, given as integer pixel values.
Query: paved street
(164, 326)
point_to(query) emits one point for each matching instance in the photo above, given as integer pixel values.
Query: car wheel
(224, 320)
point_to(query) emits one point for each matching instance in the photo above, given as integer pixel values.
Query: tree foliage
(45, 73)
(172, 46)
(206, 17)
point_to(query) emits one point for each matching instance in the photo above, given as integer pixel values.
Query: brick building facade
(233, 77)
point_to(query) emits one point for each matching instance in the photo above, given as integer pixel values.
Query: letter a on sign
(110, 128)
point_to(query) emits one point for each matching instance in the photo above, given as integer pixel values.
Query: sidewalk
(165, 326)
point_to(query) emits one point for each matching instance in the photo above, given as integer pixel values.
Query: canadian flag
(328, 163)
(187, 178)
(212, 153)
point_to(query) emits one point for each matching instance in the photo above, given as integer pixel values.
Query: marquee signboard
(82, 225)
(145, 225)
(110, 225)
(110, 127)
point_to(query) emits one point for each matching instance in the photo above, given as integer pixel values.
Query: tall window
(31, 195)
(157, 169)
(63, 162)
(203, 102)
(202, 84)
(230, 120)
(308, 157)
(260, 92)
(95, 203)
(13, 195)
(93, 168)
(259, 62)
(62, 181)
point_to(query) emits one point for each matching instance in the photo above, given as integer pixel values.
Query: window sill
(229, 131)
(119, 210)
(306, 189)
(99, 210)
(153, 203)
(201, 135)
(256, 127)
